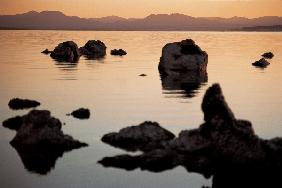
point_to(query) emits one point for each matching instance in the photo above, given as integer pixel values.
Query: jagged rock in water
(144, 137)
(81, 113)
(40, 140)
(261, 63)
(119, 52)
(268, 55)
(215, 106)
(184, 56)
(17, 104)
(66, 51)
(234, 141)
(46, 51)
(93, 49)
(222, 144)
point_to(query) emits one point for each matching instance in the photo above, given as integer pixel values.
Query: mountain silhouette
(55, 20)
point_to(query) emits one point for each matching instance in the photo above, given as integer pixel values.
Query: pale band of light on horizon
(142, 8)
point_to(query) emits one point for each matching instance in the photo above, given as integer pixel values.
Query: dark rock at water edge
(221, 146)
(66, 51)
(144, 137)
(18, 103)
(39, 128)
(268, 55)
(81, 113)
(263, 63)
(93, 49)
(119, 52)
(181, 57)
(40, 140)
(13, 123)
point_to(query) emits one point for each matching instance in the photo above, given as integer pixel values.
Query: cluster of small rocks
(68, 51)
(263, 63)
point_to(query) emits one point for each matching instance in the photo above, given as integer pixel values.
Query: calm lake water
(118, 97)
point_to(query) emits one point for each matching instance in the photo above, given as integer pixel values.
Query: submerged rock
(46, 51)
(81, 113)
(119, 52)
(93, 49)
(182, 57)
(144, 137)
(17, 104)
(261, 63)
(143, 75)
(40, 140)
(268, 55)
(221, 144)
(66, 51)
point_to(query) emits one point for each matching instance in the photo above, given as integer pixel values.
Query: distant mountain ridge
(55, 20)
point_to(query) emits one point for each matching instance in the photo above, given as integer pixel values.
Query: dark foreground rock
(66, 51)
(17, 104)
(40, 140)
(81, 113)
(13, 123)
(268, 55)
(182, 57)
(144, 137)
(261, 63)
(119, 52)
(223, 147)
(93, 49)
(46, 51)
(39, 128)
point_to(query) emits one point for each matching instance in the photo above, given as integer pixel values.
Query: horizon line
(20, 13)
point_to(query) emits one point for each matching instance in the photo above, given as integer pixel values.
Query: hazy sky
(142, 8)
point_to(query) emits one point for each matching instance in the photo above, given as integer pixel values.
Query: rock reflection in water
(39, 160)
(40, 140)
(185, 85)
(68, 71)
(66, 66)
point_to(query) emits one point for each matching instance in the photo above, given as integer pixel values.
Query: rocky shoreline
(221, 144)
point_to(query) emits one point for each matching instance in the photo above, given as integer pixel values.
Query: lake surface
(118, 97)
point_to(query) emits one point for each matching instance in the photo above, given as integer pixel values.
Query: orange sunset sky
(142, 8)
